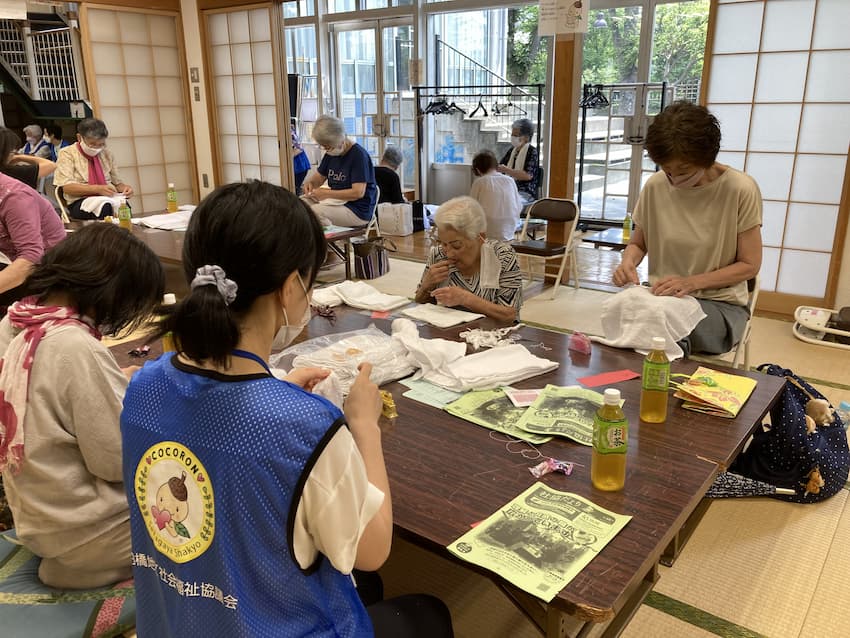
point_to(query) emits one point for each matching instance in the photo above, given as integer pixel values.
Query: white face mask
(686, 181)
(46, 137)
(339, 150)
(32, 141)
(88, 150)
(287, 333)
(516, 142)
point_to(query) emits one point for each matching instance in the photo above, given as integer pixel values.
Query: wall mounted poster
(562, 16)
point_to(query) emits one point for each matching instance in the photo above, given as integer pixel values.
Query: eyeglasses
(457, 244)
(94, 143)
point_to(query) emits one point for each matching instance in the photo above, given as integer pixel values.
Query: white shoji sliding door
(135, 72)
(778, 83)
(243, 68)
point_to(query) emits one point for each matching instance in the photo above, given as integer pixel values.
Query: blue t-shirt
(354, 167)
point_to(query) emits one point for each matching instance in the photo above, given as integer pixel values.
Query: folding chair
(740, 351)
(551, 209)
(59, 194)
(372, 226)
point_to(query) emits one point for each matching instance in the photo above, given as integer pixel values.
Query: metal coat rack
(448, 95)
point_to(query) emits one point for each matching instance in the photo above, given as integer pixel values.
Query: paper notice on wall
(13, 9)
(562, 16)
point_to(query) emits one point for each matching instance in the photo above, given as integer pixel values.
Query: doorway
(374, 98)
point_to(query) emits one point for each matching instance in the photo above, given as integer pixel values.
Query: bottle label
(610, 437)
(656, 376)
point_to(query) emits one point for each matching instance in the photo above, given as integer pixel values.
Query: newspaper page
(493, 409)
(563, 411)
(540, 540)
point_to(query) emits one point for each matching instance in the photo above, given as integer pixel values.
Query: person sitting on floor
(520, 162)
(386, 176)
(25, 168)
(498, 196)
(350, 199)
(29, 226)
(87, 169)
(252, 484)
(62, 390)
(699, 223)
(35, 144)
(467, 269)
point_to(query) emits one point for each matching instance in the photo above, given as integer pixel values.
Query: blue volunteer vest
(214, 467)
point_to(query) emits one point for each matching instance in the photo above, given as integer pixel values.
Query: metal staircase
(41, 57)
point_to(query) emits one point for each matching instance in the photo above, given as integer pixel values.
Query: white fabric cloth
(497, 193)
(440, 316)
(490, 268)
(357, 294)
(444, 363)
(632, 317)
(95, 203)
(166, 221)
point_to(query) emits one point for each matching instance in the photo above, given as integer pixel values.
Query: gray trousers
(721, 329)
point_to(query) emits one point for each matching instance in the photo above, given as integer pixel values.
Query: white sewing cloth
(632, 317)
(440, 316)
(357, 294)
(446, 364)
(490, 267)
(166, 221)
(95, 203)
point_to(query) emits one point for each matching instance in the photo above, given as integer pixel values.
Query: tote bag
(371, 257)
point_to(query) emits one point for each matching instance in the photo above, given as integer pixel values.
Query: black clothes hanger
(480, 107)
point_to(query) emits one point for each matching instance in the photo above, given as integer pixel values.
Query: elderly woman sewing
(521, 161)
(347, 167)
(87, 170)
(465, 269)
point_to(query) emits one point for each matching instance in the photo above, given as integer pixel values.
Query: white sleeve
(336, 505)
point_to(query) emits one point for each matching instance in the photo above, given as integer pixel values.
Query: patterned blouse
(509, 292)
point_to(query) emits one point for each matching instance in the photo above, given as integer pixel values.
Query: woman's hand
(626, 274)
(452, 296)
(437, 273)
(307, 378)
(363, 405)
(674, 287)
(107, 190)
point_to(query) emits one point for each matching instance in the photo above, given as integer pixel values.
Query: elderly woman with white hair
(466, 269)
(36, 144)
(347, 168)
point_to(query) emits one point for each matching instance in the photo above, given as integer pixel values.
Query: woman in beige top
(87, 169)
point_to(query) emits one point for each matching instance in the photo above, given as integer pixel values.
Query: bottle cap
(169, 299)
(844, 405)
(612, 396)
(659, 343)
(170, 185)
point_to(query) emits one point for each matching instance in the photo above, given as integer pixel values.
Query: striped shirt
(509, 292)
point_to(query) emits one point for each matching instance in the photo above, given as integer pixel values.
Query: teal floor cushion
(30, 609)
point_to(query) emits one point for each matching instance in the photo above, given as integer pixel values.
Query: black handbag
(418, 216)
(371, 257)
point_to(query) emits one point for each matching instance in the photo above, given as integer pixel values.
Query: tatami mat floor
(754, 567)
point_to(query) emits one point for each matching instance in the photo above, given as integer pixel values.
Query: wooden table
(610, 238)
(168, 244)
(446, 474)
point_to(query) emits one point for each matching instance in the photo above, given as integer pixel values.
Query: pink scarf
(35, 323)
(96, 176)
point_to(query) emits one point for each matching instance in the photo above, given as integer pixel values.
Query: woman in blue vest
(252, 500)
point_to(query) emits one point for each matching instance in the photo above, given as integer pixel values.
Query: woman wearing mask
(24, 168)
(87, 169)
(520, 162)
(36, 144)
(262, 490)
(700, 224)
(347, 167)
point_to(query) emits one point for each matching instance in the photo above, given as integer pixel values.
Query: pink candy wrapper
(551, 465)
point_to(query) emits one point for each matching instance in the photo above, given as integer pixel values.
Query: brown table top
(446, 473)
